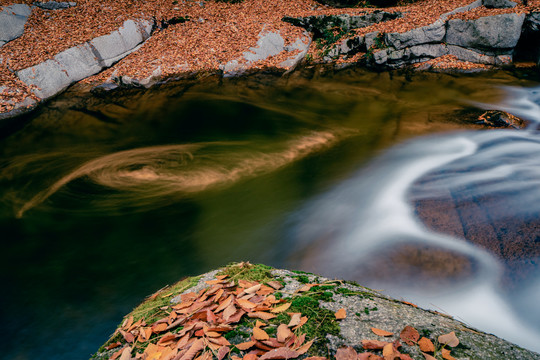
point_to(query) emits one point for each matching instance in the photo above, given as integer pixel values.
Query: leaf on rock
(280, 353)
(374, 344)
(304, 348)
(446, 354)
(409, 335)
(389, 352)
(369, 356)
(283, 333)
(426, 345)
(195, 348)
(275, 284)
(260, 334)
(295, 319)
(281, 308)
(449, 339)
(346, 353)
(429, 357)
(222, 352)
(381, 332)
(341, 314)
(245, 345)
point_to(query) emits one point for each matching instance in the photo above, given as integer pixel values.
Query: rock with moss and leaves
(255, 312)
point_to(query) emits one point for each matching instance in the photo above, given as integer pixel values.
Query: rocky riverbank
(246, 311)
(47, 46)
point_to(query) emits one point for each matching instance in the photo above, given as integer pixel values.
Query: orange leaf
(260, 334)
(253, 289)
(245, 303)
(275, 284)
(245, 345)
(315, 358)
(449, 339)
(381, 332)
(303, 320)
(295, 319)
(374, 344)
(280, 353)
(426, 345)
(229, 311)
(221, 277)
(304, 348)
(389, 352)
(283, 333)
(157, 328)
(127, 323)
(446, 354)
(428, 357)
(409, 335)
(250, 357)
(129, 337)
(113, 345)
(222, 352)
(341, 314)
(167, 339)
(281, 308)
(212, 334)
(126, 354)
(259, 324)
(346, 353)
(261, 315)
(369, 356)
(195, 348)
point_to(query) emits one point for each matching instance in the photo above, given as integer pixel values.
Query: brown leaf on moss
(260, 334)
(261, 315)
(304, 348)
(381, 332)
(195, 348)
(280, 353)
(295, 319)
(449, 339)
(281, 308)
(429, 357)
(346, 353)
(446, 354)
(426, 345)
(409, 335)
(222, 352)
(245, 345)
(283, 333)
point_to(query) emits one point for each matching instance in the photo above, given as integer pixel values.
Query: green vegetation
(249, 272)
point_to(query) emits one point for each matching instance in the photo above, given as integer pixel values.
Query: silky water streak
(147, 176)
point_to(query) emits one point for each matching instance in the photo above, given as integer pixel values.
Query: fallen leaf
(369, 356)
(129, 337)
(409, 335)
(446, 354)
(316, 358)
(195, 348)
(126, 354)
(221, 277)
(116, 354)
(303, 320)
(281, 308)
(295, 319)
(245, 304)
(341, 314)
(283, 333)
(409, 303)
(253, 289)
(429, 357)
(167, 339)
(234, 357)
(245, 345)
(273, 343)
(236, 317)
(405, 357)
(224, 304)
(250, 357)
(449, 339)
(280, 353)
(113, 345)
(304, 348)
(426, 345)
(374, 344)
(222, 352)
(275, 284)
(381, 332)
(212, 334)
(157, 328)
(260, 334)
(259, 324)
(229, 311)
(346, 353)
(389, 352)
(127, 323)
(306, 287)
(261, 315)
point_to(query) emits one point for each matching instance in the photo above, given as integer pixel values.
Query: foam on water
(369, 213)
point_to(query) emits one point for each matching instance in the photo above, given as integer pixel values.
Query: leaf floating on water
(381, 332)
(341, 314)
(346, 353)
(280, 353)
(426, 345)
(409, 335)
(449, 339)
(259, 334)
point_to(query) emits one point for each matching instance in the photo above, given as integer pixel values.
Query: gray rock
(499, 4)
(12, 20)
(473, 5)
(49, 77)
(370, 39)
(532, 22)
(380, 57)
(424, 35)
(478, 58)
(269, 44)
(55, 5)
(498, 31)
(302, 45)
(76, 63)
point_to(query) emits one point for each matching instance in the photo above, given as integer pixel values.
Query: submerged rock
(496, 118)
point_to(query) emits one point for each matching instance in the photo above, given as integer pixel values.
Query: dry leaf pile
(195, 328)
(390, 349)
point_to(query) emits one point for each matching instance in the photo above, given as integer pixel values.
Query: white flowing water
(350, 230)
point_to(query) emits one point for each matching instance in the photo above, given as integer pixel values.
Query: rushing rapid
(368, 227)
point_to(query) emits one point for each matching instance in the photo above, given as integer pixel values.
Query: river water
(379, 178)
